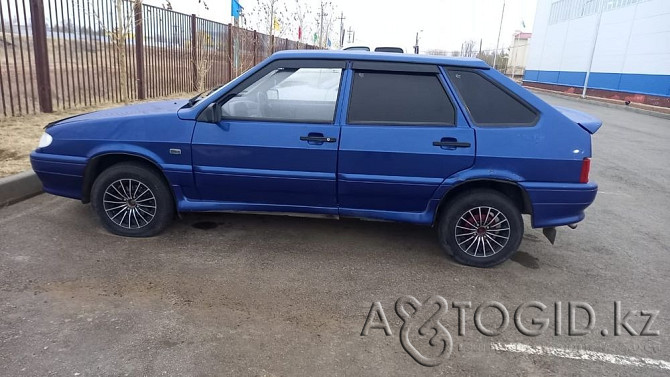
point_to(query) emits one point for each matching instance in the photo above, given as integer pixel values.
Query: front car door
(276, 145)
(402, 137)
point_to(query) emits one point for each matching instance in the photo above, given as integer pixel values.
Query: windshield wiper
(197, 97)
(192, 101)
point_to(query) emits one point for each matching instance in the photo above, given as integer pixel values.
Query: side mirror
(211, 114)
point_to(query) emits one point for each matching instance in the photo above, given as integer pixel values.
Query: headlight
(45, 140)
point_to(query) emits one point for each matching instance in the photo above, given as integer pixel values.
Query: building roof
(380, 56)
(523, 35)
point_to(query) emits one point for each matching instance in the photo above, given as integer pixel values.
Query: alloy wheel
(129, 203)
(482, 231)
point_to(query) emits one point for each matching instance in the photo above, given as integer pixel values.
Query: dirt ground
(20, 135)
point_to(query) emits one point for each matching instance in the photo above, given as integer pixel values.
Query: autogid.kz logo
(530, 319)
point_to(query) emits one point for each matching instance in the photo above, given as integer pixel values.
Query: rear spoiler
(587, 122)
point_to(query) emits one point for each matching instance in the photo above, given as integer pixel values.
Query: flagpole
(495, 53)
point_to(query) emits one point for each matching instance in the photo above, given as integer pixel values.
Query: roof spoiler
(587, 122)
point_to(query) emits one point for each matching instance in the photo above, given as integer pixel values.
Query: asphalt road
(230, 294)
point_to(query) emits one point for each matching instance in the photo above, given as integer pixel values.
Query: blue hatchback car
(444, 142)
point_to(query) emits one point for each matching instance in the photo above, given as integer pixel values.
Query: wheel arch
(510, 189)
(99, 163)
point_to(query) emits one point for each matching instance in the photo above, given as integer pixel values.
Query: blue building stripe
(657, 85)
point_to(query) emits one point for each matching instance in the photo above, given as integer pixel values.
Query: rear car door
(276, 145)
(402, 137)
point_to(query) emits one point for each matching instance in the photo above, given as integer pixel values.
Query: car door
(275, 147)
(402, 137)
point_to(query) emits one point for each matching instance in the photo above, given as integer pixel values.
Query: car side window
(487, 103)
(288, 95)
(399, 98)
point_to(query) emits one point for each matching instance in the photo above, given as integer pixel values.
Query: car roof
(379, 56)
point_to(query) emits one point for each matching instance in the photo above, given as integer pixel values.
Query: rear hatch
(589, 123)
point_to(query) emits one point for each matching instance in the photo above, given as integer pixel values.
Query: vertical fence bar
(30, 62)
(53, 53)
(85, 51)
(255, 58)
(139, 50)
(160, 67)
(95, 54)
(41, 55)
(61, 35)
(194, 57)
(2, 82)
(16, 72)
(229, 49)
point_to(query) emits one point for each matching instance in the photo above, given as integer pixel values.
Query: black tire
(143, 220)
(461, 219)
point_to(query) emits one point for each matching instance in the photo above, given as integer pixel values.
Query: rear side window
(399, 98)
(487, 103)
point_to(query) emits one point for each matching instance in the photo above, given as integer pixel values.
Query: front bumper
(60, 175)
(556, 204)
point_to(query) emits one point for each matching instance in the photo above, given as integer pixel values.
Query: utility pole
(593, 48)
(416, 44)
(495, 53)
(341, 18)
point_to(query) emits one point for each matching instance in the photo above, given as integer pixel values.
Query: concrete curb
(19, 187)
(599, 102)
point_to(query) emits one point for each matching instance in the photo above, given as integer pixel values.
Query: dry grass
(19, 135)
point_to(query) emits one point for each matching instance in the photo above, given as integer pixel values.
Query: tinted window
(399, 98)
(288, 94)
(389, 49)
(487, 103)
(358, 48)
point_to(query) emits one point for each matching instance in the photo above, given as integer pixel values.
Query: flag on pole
(523, 24)
(235, 8)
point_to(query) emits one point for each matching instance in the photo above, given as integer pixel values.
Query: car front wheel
(481, 228)
(132, 200)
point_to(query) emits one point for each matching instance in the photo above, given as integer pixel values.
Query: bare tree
(267, 12)
(468, 48)
(118, 31)
(301, 12)
(204, 58)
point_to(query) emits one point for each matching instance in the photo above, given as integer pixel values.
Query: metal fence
(61, 54)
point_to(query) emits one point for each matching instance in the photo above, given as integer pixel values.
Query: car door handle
(449, 142)
(318, 139)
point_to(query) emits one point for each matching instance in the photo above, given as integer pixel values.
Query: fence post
(41, 55)
(230, 52)
(139, 50)
(255, 47)
(194, 54)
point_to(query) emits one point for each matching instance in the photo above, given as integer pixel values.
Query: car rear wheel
(481, 228)
(132, 200)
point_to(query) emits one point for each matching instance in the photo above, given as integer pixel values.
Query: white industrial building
(624, 44)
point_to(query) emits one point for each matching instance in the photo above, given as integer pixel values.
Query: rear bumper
(556, 204)
(60, 175)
